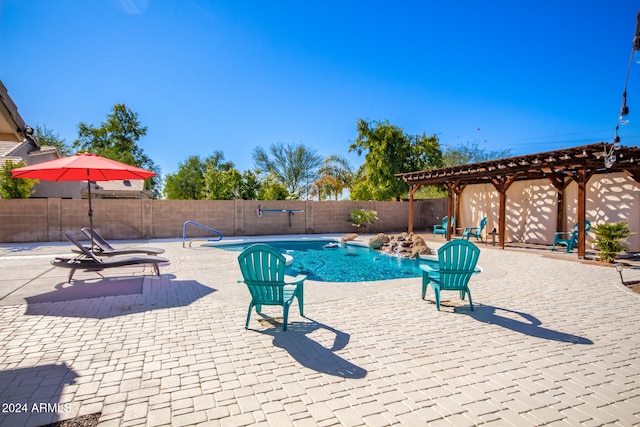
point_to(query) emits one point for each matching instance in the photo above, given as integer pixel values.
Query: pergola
(560, 167)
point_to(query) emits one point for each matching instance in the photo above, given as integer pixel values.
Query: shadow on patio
(116, 296)
(520, 322)
(310, 353)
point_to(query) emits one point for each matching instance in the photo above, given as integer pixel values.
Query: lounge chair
(88, 261)
(456, 263)
(569, 238)
(442, 229)
(475, 231)
(262, 270)
(102, 247)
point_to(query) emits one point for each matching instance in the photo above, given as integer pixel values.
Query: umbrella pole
(90, 216)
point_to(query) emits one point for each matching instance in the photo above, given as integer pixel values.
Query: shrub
(608, 238)
(14, 188)
(361, 218)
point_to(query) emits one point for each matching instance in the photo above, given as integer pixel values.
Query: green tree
(389, 151)
(464, 154)
(335, 175)
(294, 166)
(222, 184)
(188, 182)
(46, 137)
(249, 186)
(361, 190)
(117, 138)
(14, 188)
(272, 189)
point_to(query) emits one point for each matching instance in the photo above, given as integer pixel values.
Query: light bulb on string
(624, 114)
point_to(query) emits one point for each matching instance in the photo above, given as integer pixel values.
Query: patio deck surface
(552, 341)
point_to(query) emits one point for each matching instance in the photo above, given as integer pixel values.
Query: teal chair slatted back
(475, 231)
(573, 236)
(262, 270)
(442, 228)
(457, 261)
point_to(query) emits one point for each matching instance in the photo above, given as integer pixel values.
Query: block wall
(39, 220)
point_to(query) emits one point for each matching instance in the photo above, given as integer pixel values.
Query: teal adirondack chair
(475, 231)
(262, 270)
(569, 238)
(457, 261)
(442, 229)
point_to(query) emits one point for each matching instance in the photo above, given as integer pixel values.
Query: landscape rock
(378, 241)
(417, 250)
(348, 237)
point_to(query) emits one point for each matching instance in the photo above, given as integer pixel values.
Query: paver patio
(552, 342)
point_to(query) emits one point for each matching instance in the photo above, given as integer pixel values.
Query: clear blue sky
(207, 75)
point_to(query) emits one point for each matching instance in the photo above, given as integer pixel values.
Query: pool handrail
(184, 233)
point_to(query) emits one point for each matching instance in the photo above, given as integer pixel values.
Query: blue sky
(231, 75)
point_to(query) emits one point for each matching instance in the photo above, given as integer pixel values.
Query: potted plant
(361, 218)
(608, 239)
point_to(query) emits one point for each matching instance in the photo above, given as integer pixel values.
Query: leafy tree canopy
(471, 153)
(188, 183)
(335, 175)
(46, 137)
(117, 138)
(389, 151)
(14, 188)
(230, 184)
(294, 166)
(222, 184)
(272, 189)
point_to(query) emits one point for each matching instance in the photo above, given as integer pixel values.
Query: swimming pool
(340, 263)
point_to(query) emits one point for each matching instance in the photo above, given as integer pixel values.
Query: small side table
(493, 235)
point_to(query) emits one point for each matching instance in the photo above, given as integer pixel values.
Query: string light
(609, 152)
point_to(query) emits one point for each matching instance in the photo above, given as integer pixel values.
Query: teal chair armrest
(298, 282)
(288, 280)
(428, 269)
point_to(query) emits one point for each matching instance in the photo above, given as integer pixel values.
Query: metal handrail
(184, 233)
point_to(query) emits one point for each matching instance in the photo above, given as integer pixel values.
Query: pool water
(341, 263)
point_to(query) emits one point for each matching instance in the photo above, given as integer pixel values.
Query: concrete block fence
(42, 220)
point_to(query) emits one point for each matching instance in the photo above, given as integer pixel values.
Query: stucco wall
(532, 205)
(48, 219)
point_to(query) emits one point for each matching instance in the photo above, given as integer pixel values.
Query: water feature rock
(348, 237)
(378, 241)
(405, 245)
(417, 250)
(418, 241)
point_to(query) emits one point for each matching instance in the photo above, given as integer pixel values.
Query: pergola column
(581, 177)
(457, 189)
(502, 184)
(558, 181)
(450, 195)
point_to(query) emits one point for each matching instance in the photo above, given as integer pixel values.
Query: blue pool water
(343, 263)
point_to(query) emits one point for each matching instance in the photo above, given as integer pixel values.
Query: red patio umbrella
(82, 167)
